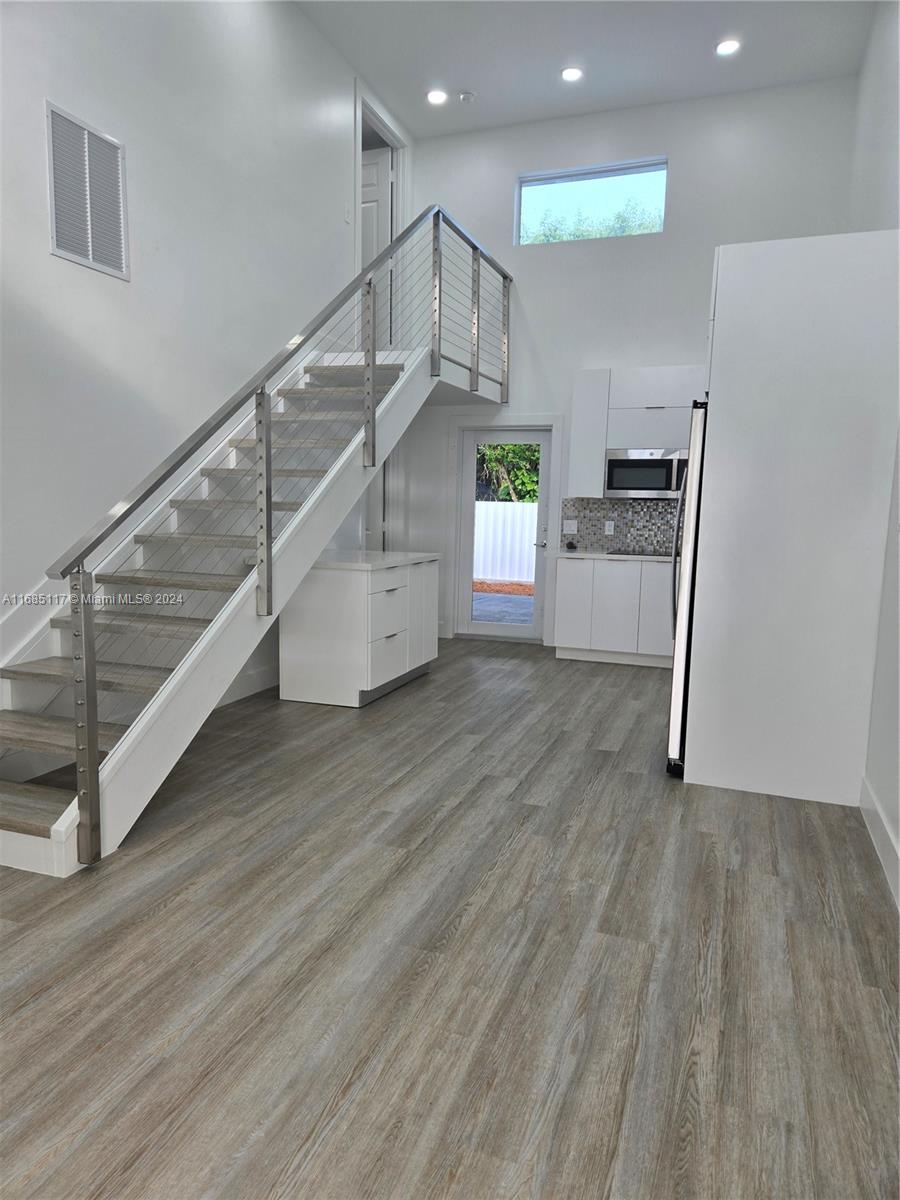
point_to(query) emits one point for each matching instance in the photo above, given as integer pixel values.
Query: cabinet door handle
(388, 636)
(387, 591)
(654, 407)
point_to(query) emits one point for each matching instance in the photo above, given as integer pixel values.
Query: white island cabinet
(359, 625)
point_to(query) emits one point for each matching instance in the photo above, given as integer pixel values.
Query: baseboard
(885, 846)
(613, 656)
(251, 681)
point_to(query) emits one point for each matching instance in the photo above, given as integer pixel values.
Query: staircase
(172, 591)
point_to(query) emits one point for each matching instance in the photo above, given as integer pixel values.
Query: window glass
(607, 202)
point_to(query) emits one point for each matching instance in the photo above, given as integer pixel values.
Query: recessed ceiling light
(437, 96)
(727, 47)
(572, 74)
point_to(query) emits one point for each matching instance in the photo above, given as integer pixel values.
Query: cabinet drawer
(387, 658)
(388, 577)
(388, 612)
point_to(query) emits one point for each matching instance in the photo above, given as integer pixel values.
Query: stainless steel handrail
(78, 552)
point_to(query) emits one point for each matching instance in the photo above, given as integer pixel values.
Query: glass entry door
(503, 535)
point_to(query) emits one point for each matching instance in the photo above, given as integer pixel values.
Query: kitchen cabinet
(655, 618)
(668, 387)
(587, 433)
(627, 408)
(574, 590)
(360, 623)
(423, 607)
(615, 605)
(664, 428)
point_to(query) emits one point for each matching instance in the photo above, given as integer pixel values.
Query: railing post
(476, 303)
(87, 751)
(263, 502)
(368, 338)
(437, 225)
(504, 345)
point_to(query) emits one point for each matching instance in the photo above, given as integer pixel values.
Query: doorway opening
(505, 482)
(378, 224)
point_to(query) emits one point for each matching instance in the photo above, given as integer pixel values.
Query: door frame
(368, 106)
(468, 435)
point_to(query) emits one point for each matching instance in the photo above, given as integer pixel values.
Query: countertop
(373, 560)
(663, 558)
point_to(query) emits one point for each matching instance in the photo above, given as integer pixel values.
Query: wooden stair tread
(327, 391)
(249, 443)
(211, 504)
(51, 735)
(320, 414)
(141, 622)
(112, 677)
(189, 580)
(338, 370)
(31, 808)
(277, 472)
(240, 540)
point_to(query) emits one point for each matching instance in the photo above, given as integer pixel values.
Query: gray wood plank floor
(468, 942)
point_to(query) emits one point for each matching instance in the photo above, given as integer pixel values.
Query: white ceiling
(510, 53)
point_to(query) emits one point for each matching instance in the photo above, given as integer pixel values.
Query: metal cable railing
(149, 582)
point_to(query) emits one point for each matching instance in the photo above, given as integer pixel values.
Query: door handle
(678, 511)
(540, 543)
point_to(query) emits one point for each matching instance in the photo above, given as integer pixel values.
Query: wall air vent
(88, 222)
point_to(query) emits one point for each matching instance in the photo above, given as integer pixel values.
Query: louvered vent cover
(87, 195)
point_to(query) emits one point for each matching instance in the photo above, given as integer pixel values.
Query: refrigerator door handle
(678, 511)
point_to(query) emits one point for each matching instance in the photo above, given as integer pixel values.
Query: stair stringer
(137, 766)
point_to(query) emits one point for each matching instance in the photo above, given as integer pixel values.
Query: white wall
(238, 123)
(880, 793)
(767, 164)
(874, 177)
(748, 167)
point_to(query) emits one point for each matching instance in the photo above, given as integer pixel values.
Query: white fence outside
(504, 540)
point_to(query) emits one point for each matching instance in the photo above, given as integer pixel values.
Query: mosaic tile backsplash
(642, 526)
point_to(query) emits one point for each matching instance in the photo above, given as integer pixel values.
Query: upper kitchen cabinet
(587, 433)
(650, 407)
(656, 387)
(628, 408)
(646, 428)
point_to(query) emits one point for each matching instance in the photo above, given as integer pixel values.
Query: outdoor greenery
(509, 471)
(632, 218)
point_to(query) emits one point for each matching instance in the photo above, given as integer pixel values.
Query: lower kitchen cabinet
(574, 587)
(655, 624)
(616, 605)
(613, 606)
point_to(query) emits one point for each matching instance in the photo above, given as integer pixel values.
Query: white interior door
(502, 543)
(375, 202)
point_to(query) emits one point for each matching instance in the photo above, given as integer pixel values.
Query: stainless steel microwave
(644, 474)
